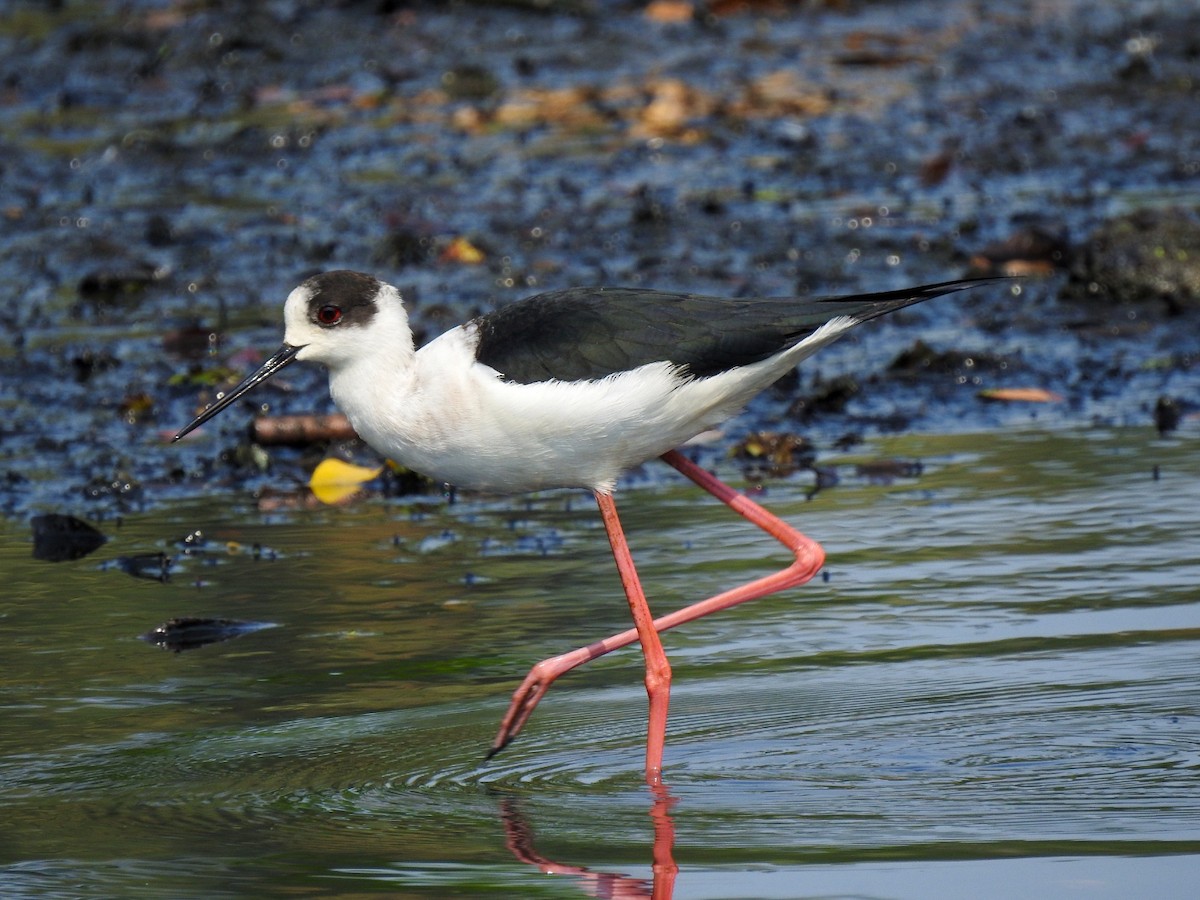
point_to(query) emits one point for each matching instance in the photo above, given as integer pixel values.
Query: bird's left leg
(809, 557)
(658, 669)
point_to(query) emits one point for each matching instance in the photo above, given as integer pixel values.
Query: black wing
(587, 333)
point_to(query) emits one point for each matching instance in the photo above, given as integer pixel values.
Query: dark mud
(169, 171)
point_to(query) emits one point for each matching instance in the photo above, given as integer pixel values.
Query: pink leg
(658, 670)
(809, 558)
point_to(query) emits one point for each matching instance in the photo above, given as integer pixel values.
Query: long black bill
(286, 354)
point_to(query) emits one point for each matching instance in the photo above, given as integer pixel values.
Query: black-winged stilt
(568, 389)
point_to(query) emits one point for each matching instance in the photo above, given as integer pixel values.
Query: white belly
(501, 436)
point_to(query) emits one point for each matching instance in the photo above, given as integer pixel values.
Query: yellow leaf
(462, 251)
(333, 480)
(674, 11)
(1021, 395)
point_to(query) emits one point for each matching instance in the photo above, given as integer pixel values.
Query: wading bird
(568, 389)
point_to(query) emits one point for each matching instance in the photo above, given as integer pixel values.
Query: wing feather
(589, 333)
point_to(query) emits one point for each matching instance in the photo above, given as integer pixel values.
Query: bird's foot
(525, 699)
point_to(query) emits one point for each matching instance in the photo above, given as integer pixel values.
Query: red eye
(329, 314)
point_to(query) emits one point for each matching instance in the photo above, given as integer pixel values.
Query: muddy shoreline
(171, 171)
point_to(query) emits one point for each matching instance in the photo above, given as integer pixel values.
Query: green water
(994, 693)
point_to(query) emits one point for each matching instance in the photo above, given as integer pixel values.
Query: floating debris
(773, 453)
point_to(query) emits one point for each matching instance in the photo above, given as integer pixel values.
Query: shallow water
(995, 687)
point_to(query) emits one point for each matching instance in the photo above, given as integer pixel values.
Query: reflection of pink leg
(808, 560)
(519, 838)
(664, 866)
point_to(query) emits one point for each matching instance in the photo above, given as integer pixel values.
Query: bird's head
(333, 318)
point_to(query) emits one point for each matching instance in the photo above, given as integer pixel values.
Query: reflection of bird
(566, 389)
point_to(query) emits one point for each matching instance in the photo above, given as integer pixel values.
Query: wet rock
(1144, 257)
(190, 632)
(190, 341)
(110, 287)
(920, 358)
(90, 362)
(403, 247)
(59, 538)
(826, 397)
(1166, 415)
(159, 232)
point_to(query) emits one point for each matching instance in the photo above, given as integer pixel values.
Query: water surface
(993, 687)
